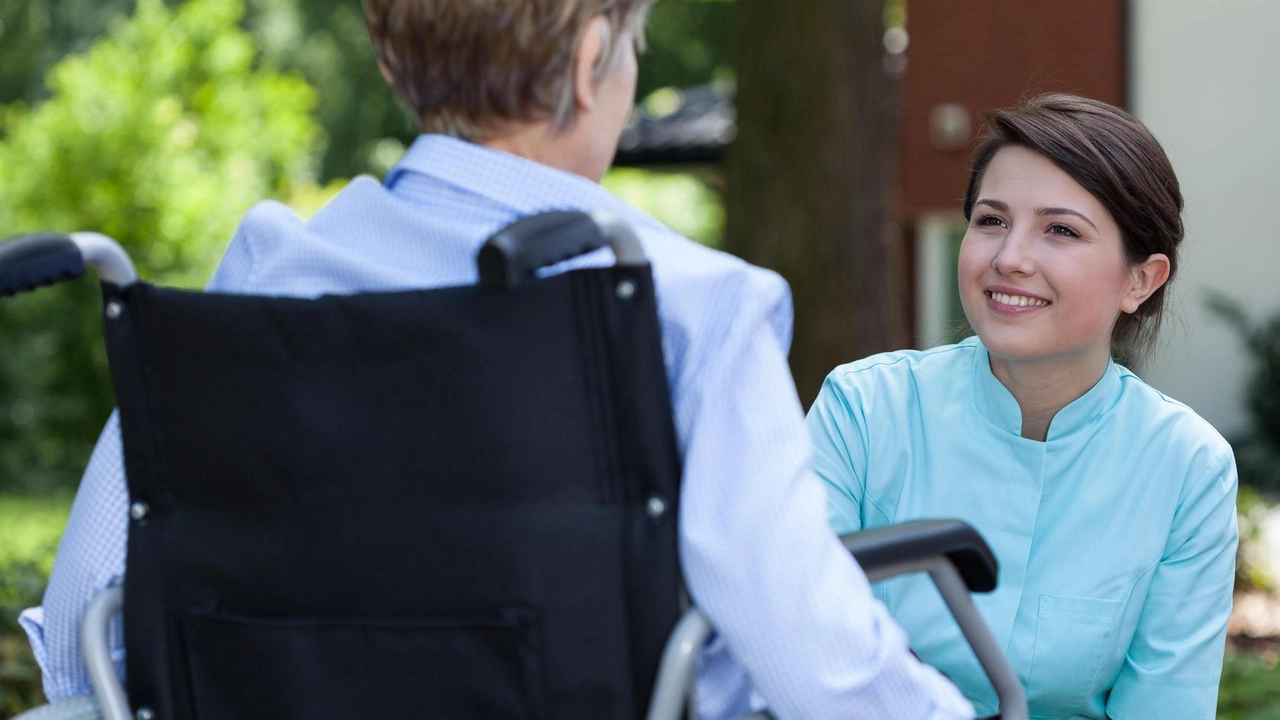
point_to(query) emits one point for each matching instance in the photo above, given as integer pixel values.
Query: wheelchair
(456, 502)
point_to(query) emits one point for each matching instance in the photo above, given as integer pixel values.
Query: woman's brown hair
(1119, 162)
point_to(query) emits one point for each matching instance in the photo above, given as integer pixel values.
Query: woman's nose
(1014, 256)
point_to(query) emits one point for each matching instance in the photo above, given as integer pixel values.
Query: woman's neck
(1042, 387)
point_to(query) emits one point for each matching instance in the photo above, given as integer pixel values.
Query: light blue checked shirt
(796, 619)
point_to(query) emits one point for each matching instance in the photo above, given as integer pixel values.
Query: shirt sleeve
(1174, 662)
(761, 562)
(91, 554)
(91, 558)
(839, 455)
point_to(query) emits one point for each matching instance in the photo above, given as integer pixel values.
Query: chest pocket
(1072, 634)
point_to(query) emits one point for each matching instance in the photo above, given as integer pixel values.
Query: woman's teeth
(1018, 300)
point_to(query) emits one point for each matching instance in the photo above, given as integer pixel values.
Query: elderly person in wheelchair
(386, 468)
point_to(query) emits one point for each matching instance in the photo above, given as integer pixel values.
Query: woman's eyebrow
(1064, 211)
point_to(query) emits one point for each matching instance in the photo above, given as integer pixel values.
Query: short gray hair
(471, 68)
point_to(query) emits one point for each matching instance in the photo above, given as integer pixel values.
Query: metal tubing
(1013, 699)
(95, 645)
(107, 257)
(679, 662)
(620, 236)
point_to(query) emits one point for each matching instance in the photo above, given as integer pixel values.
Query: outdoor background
(826, 139)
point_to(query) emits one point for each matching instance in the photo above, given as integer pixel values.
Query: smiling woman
(1111, 508)
(1044, 285)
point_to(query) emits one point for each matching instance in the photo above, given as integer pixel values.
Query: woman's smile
(1013, 302)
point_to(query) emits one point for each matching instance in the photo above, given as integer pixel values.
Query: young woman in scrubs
(1110, 506)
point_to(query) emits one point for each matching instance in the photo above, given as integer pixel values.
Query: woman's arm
(1174, 662)
(839, 452)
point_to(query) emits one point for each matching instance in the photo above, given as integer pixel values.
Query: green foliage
(35, 34)
(19, 675)
(681, 201)
(161, 136)
(1249, 690)
(1257, 456)
(326, 40)
(29, 531)
(689, 43)
(1251, 558)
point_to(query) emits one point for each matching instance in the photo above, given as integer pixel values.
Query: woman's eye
(1063, 230)
(988, 221)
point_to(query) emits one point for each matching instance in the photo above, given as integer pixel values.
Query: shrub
(161, 135)
(1258, 455)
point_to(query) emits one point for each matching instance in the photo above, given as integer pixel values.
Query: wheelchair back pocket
(468, 667)
(1072, 635)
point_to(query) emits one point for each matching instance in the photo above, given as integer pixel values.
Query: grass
(30, 527)
(29, 532)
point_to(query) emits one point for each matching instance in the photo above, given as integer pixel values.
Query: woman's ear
(1145, 278)
(587, 61)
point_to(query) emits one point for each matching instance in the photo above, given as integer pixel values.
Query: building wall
(975, 55)
(1205, 77)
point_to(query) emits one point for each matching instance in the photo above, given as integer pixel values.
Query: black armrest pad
(920, 539)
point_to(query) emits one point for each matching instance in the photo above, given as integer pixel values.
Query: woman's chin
(1013, 346)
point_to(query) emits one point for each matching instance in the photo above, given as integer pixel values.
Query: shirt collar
(519, 183)
(994, 401)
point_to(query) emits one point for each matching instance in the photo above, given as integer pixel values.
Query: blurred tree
(34, 34)
(688, 44)
(324, 39)
(327, 41)
(811, 176)
(682, 201)
(161, 135)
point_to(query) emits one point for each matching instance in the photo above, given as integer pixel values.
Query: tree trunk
(811, 181)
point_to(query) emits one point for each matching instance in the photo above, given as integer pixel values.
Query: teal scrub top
(1116, 537)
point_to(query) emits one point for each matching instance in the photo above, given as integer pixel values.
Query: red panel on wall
(968, 56)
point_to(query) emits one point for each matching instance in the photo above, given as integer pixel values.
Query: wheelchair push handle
(518, 251)
(29, 262)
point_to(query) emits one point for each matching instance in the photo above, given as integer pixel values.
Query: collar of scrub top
(994, 401)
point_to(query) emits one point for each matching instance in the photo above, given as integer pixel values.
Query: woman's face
(1042, 274)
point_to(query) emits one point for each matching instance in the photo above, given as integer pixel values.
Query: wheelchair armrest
(884, 547)
(958, 562)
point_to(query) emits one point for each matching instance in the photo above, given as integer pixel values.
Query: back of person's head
(1117, 160)
(474, 68)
